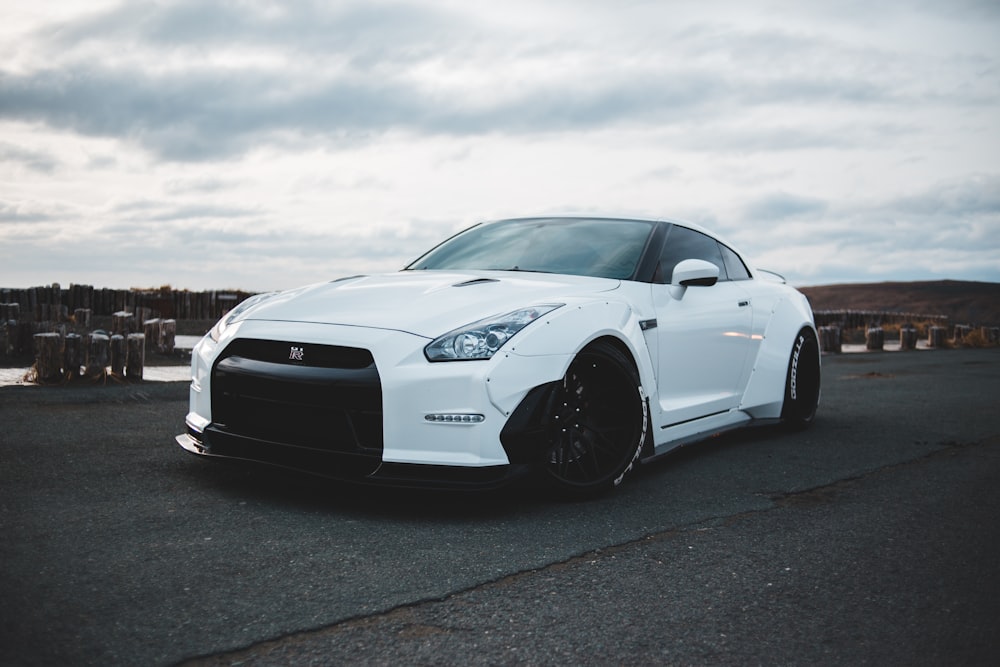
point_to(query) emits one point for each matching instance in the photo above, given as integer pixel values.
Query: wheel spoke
(584, 448)
(596, 421)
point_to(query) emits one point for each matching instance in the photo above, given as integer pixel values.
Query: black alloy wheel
(597, 422)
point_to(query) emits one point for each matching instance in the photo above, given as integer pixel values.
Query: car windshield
(575, 246)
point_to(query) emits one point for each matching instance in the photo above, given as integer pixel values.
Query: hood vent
(476, 281)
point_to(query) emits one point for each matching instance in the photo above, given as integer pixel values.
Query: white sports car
(572, 346)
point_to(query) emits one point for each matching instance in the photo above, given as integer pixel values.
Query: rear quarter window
(735, 267)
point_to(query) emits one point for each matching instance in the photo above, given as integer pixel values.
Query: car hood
(425, 303)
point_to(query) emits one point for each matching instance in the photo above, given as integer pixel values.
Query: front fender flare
(543, 352)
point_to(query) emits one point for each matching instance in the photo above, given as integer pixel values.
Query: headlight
(481, 340)
(235, 314)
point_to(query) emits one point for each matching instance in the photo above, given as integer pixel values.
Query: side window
(683, 243)
(735, 267)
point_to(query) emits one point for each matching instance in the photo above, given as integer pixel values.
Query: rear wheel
(597, 422)
(802, 382)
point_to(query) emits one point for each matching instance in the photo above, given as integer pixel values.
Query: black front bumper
(317, 410)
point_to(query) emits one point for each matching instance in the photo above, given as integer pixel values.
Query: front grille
(320, 397)
(318, 356)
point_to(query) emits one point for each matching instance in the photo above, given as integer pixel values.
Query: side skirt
(671, 437)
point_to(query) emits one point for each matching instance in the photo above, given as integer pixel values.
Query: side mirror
(692, 273)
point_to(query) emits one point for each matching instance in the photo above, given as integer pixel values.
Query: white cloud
(262, 145)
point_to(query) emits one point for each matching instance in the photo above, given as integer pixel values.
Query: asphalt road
(871, 538)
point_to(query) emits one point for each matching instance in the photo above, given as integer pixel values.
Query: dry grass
(976, 338)
(960, 301)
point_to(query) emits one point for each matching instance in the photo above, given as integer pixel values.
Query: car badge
(295, 354)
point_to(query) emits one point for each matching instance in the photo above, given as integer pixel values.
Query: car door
(703, 337)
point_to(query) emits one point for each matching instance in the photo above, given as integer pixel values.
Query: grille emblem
(295, 354)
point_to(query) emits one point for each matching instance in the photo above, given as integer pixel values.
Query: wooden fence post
(48, 356)
(875, 339)
(907, 338)
(11, 342)
(122, 322)
(151, 329)
(117, 354)
(830, 340)
(935, 336)
(98, 352)
(82, 317)
(168, 332)
(136, 356)
(71, 355)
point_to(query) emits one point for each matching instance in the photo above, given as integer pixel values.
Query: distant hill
(962, 302)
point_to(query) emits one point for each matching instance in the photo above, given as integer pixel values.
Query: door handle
(743, 304)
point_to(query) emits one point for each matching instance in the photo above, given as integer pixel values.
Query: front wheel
(802, 382)
(597, 422)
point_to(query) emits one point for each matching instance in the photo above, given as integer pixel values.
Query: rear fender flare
(765, 392)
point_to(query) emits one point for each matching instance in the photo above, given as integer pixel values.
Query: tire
(802, 381)
(597, 422)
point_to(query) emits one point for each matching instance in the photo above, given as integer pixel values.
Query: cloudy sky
(263, 145)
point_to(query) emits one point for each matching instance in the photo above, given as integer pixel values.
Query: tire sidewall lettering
(642, 438)
(794, 369)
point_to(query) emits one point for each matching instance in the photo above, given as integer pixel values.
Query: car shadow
(243, 480)
(278, 487)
